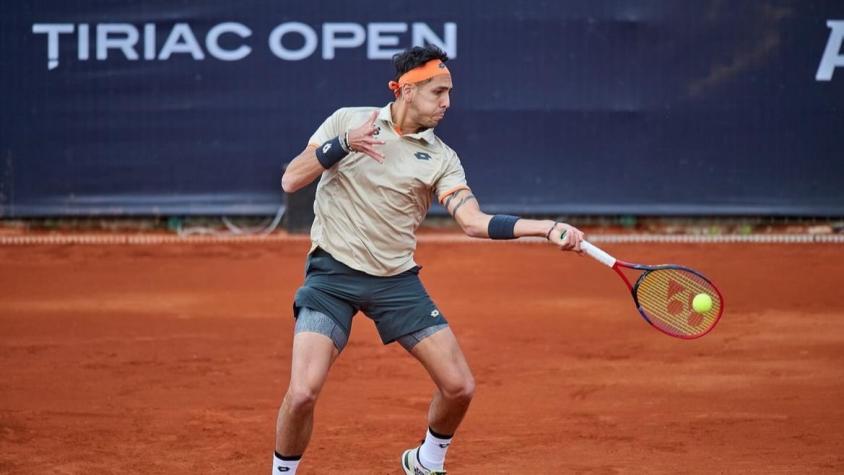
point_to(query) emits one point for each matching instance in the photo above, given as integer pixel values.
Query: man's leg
(313, 355)
(441, 356)
(314, 351)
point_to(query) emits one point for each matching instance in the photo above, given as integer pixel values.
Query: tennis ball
(702, 303)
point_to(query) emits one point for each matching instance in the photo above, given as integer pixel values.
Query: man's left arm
(464, 207)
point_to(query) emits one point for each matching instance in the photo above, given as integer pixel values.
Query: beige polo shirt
(367, 213)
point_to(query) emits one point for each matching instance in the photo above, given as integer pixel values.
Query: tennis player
(381, 168)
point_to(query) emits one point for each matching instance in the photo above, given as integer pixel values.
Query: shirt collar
(427, 135)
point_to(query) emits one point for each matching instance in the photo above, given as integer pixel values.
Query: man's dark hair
(415, 57)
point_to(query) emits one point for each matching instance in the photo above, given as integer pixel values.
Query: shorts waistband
(341, 267)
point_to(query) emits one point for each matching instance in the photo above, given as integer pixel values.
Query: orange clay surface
(172, 359)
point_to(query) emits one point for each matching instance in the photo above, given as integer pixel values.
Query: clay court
(173, 358)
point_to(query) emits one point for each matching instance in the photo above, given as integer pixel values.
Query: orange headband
(432, 68)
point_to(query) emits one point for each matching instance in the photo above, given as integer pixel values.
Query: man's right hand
(362, 139)
(566, 236)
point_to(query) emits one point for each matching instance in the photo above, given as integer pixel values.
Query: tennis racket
(663, 294)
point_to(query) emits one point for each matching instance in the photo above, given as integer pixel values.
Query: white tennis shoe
(412, 466)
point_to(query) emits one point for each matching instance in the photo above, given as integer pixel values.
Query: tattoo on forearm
(465, 200)
(451, 197)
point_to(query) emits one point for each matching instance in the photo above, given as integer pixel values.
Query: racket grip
(597, 253)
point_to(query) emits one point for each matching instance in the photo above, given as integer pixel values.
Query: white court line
(159, 239)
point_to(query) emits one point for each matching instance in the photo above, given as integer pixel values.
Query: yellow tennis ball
(702, 303)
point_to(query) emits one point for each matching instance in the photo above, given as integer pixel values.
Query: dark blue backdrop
(597, 107)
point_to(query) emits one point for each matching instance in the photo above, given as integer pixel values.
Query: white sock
(284, 467)
(432, 452)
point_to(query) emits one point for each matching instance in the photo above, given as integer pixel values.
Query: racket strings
(666, 295)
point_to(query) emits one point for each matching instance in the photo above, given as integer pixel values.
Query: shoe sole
(404, 462)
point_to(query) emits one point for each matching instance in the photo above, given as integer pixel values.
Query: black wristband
(331, 152)
(502, 226)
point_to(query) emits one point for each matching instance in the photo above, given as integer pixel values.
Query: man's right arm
(302, 171)
(306, 167)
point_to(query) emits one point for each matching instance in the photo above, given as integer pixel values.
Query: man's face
(430, 100)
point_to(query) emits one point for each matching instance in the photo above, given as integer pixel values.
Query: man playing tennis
(381, 168)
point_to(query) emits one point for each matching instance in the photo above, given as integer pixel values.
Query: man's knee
(460, 390)
(301, 399)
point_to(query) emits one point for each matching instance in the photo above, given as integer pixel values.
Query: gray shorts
(399, 304)
(312, 321)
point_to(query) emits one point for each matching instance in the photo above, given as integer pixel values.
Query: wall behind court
(571, 107)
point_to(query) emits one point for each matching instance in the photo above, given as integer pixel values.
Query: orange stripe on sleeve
(452, 191)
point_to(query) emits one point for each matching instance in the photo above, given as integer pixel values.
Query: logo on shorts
(435, 313)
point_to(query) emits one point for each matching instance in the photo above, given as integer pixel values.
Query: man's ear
(407, 92)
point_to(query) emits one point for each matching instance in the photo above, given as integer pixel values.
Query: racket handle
(597, 253)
